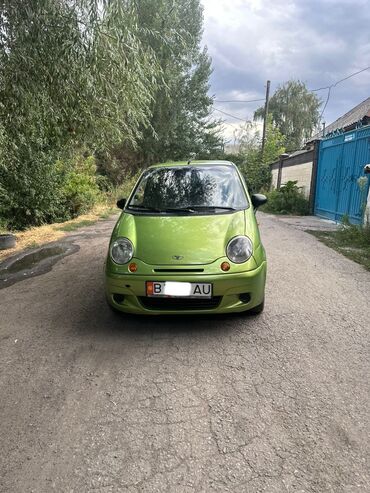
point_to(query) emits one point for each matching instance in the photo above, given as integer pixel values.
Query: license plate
(179, 289)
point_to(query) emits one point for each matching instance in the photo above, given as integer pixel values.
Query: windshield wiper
(212, 207)
(155, 209)
(192, 209)
(144, 208)
(179, 209)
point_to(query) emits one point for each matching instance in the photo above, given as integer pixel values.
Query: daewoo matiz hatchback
(187, 241)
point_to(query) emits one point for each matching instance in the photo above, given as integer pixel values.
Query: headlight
(239, 249)
(121, 251)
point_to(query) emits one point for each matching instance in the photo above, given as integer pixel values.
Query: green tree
(83, 77)
(74, 74)
(255, 169)
(294, 111)
(180, 124)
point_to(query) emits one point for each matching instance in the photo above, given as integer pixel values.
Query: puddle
(32, 259)
(33, 262)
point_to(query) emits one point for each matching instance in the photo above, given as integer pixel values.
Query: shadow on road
(90, 315)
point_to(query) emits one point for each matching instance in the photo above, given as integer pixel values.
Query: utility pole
(265, 118)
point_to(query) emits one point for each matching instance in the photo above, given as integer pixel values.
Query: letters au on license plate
(179, 289)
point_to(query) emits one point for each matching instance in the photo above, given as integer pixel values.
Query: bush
(80, 190)
(122, 191)
(257, 176)
(289, 199)
(30, 192)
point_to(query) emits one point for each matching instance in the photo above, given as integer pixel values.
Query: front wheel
(257, 309)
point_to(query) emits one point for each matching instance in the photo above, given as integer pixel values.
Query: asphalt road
(280, 402)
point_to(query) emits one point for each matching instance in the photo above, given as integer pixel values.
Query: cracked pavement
(92, 401)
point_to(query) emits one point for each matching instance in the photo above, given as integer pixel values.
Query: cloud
(318, 42)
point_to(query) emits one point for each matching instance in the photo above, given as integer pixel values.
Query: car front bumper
(126, 292)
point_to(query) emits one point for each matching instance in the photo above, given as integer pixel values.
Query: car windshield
(189, 189)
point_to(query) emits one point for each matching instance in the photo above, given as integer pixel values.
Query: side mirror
(258, 199)
(367, 169)
(121, 203)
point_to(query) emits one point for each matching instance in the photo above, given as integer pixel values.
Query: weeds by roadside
(34, 237)
(76, 225)
(289, 199)
(38, 235)
(350, 240)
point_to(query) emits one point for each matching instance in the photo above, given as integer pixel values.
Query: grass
(36, 236)
(351, 241)
(76, 225)
(33, 237)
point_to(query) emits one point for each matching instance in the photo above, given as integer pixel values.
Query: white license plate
(179, 289)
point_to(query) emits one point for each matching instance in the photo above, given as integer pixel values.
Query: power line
(341, 80)
(328, 88)
(326, 102)
(311, 90)
(237, 100)
(229, 114)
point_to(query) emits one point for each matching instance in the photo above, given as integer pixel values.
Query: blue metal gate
(341, 162)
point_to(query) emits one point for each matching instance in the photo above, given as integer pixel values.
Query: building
(329, 167)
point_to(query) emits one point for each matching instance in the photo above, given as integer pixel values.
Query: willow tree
(74, 75)
(181, 123)
(294, 111)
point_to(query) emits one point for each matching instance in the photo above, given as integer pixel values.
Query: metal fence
(341, 163)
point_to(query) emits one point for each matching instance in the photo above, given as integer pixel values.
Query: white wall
(274, 179)
(301, 173)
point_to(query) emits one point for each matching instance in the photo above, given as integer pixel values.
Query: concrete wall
(297, 167)
(275, 174)
(302, 173)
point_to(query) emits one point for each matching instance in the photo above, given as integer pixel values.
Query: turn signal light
(225, 266)
(132, 267)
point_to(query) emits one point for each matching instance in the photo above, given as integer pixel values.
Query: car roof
(171, 164)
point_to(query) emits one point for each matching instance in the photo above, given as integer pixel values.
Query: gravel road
(91, 401)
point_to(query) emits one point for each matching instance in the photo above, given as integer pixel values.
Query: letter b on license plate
(179, 289)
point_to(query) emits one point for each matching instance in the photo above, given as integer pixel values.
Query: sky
(316, 41)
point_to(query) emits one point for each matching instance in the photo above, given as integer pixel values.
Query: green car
(187, 241)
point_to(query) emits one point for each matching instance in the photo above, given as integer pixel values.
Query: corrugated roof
(355, 115)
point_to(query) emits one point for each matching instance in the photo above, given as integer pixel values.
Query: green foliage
(80, 188)
(123, 190)
(180, 124)
(257, 176)
(30, 193)
(289, 199)
(294, 111)
(253, 165)
(121, 78)
(237, 159)
(352, 235)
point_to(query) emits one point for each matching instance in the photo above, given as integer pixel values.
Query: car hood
(183, 240)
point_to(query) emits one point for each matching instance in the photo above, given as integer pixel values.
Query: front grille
(180, 303)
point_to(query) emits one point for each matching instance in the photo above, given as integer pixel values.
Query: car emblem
(177, 257)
